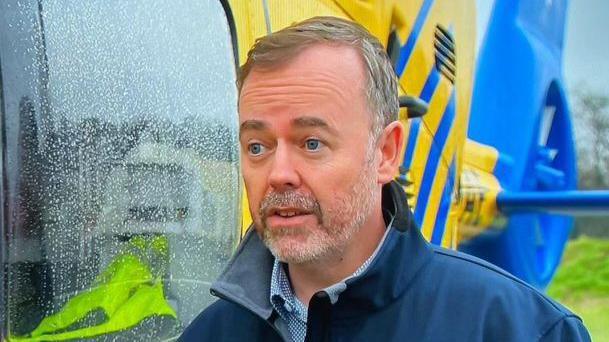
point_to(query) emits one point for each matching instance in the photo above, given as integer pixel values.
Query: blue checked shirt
(291, 309)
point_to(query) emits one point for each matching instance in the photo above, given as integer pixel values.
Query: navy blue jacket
(412, 291)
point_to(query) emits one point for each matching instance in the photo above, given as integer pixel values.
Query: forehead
(338, 59)
(319, 75)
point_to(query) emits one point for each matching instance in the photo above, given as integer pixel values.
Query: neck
(308, 278)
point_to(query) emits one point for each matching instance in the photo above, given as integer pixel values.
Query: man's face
(307, 160)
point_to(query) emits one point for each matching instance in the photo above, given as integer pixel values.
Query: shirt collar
(283, 298)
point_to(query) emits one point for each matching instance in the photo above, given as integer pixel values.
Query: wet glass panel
(120, 165)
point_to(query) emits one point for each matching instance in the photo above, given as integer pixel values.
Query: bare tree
(591, 115)
(591, 122)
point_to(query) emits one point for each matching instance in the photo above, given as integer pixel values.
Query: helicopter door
(121, 187)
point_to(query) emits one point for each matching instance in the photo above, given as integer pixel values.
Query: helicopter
(120, 153)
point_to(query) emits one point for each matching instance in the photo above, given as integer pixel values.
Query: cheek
(254, 175)
(254, 212)
(255, 190)
(333, 179)
(254, 204)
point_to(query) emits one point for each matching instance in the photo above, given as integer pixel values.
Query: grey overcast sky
(586, 53)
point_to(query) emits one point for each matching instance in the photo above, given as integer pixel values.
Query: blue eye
(255, 149)
(313, 144)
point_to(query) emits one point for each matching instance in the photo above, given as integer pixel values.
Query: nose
(283, 175)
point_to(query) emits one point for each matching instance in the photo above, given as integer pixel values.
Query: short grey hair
(282, 46)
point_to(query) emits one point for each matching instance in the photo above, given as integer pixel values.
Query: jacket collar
(247, 278)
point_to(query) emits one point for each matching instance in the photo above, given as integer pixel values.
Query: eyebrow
(310, 121)
(301, 122)
(252, 125)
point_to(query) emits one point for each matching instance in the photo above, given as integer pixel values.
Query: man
(334, 253)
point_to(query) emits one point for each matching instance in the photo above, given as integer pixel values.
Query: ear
(390, 146)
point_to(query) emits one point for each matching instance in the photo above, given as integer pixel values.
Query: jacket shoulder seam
(564, 317)
(504, 274)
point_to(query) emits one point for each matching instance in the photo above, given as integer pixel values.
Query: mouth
(284, 217)
(288, 212)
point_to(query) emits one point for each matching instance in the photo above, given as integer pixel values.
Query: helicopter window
(120, 163)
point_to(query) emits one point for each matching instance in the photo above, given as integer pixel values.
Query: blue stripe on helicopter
(406, 50)
(434, 158)
(428, 89)
(445, 202)
(412, 140)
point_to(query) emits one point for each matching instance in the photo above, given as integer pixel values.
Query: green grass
(582, 284)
